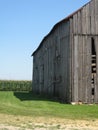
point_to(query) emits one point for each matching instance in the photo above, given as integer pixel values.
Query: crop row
(6, 85)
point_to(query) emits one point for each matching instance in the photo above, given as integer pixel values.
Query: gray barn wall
(62, 63)
(83, 27)
(51, 64)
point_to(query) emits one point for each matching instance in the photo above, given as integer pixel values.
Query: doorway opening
(93, 67)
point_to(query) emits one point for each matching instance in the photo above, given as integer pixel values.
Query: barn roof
(56, 25)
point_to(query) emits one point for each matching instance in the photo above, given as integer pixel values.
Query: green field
(12, 85)
(24, 110)
(28, 104)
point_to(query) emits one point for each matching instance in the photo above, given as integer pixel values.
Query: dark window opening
(93, 66)
(93, 91)
(93, 46)
(93, 61)
(93, 54)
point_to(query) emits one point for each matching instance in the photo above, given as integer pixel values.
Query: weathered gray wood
(71, 26)
(92, 16)
(87, 9)
(45, 67)
(52, 55)
(96, 76)
(62, 63)
(79, 25)
(62, 41)
(80, 75)
(71, 60)
(84, 20)
(75, 26)
(84, 69)
(72, 65)
(88, 71)
(76, 65)
(96, 16)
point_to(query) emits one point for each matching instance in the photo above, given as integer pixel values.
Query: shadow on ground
(25, 96)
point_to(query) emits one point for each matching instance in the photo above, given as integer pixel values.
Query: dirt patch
(10, 122)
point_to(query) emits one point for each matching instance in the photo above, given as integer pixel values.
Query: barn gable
(65, 63)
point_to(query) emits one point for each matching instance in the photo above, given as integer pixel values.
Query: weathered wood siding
(51, 64)
(83, 27)
(62, 65)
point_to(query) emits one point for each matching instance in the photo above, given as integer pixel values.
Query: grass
(27, 104)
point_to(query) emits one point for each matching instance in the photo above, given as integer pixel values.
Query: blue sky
(23, 24)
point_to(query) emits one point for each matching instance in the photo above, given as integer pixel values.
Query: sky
(23, 24)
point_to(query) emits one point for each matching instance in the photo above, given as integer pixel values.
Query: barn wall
(83, 27)
(51, 64)
(63, 63)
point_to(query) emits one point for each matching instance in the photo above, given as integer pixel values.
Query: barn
(65, 64)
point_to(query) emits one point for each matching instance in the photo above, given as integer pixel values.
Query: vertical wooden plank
(84, 20)
(71, 26)
(87, 8)
(49, 71)
(38, 64)
(75, 26)
(63, 67)
(92, 16)
(72, 65)
(96, 16)
(49, 85)
(66, 67)
(40, 70)
(76, 68)
(51, 66)
(52, 63)
(72, 31)
(79, 24)
(34, 73)
(71, 59)
(88, 69)
(84, 70)
(46, 68)
(70, 69)
(57, 65)
(96, 81)
(80, 54)
(82, 57)
(85, 65)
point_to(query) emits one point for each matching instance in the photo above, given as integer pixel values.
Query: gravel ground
(10, 122)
